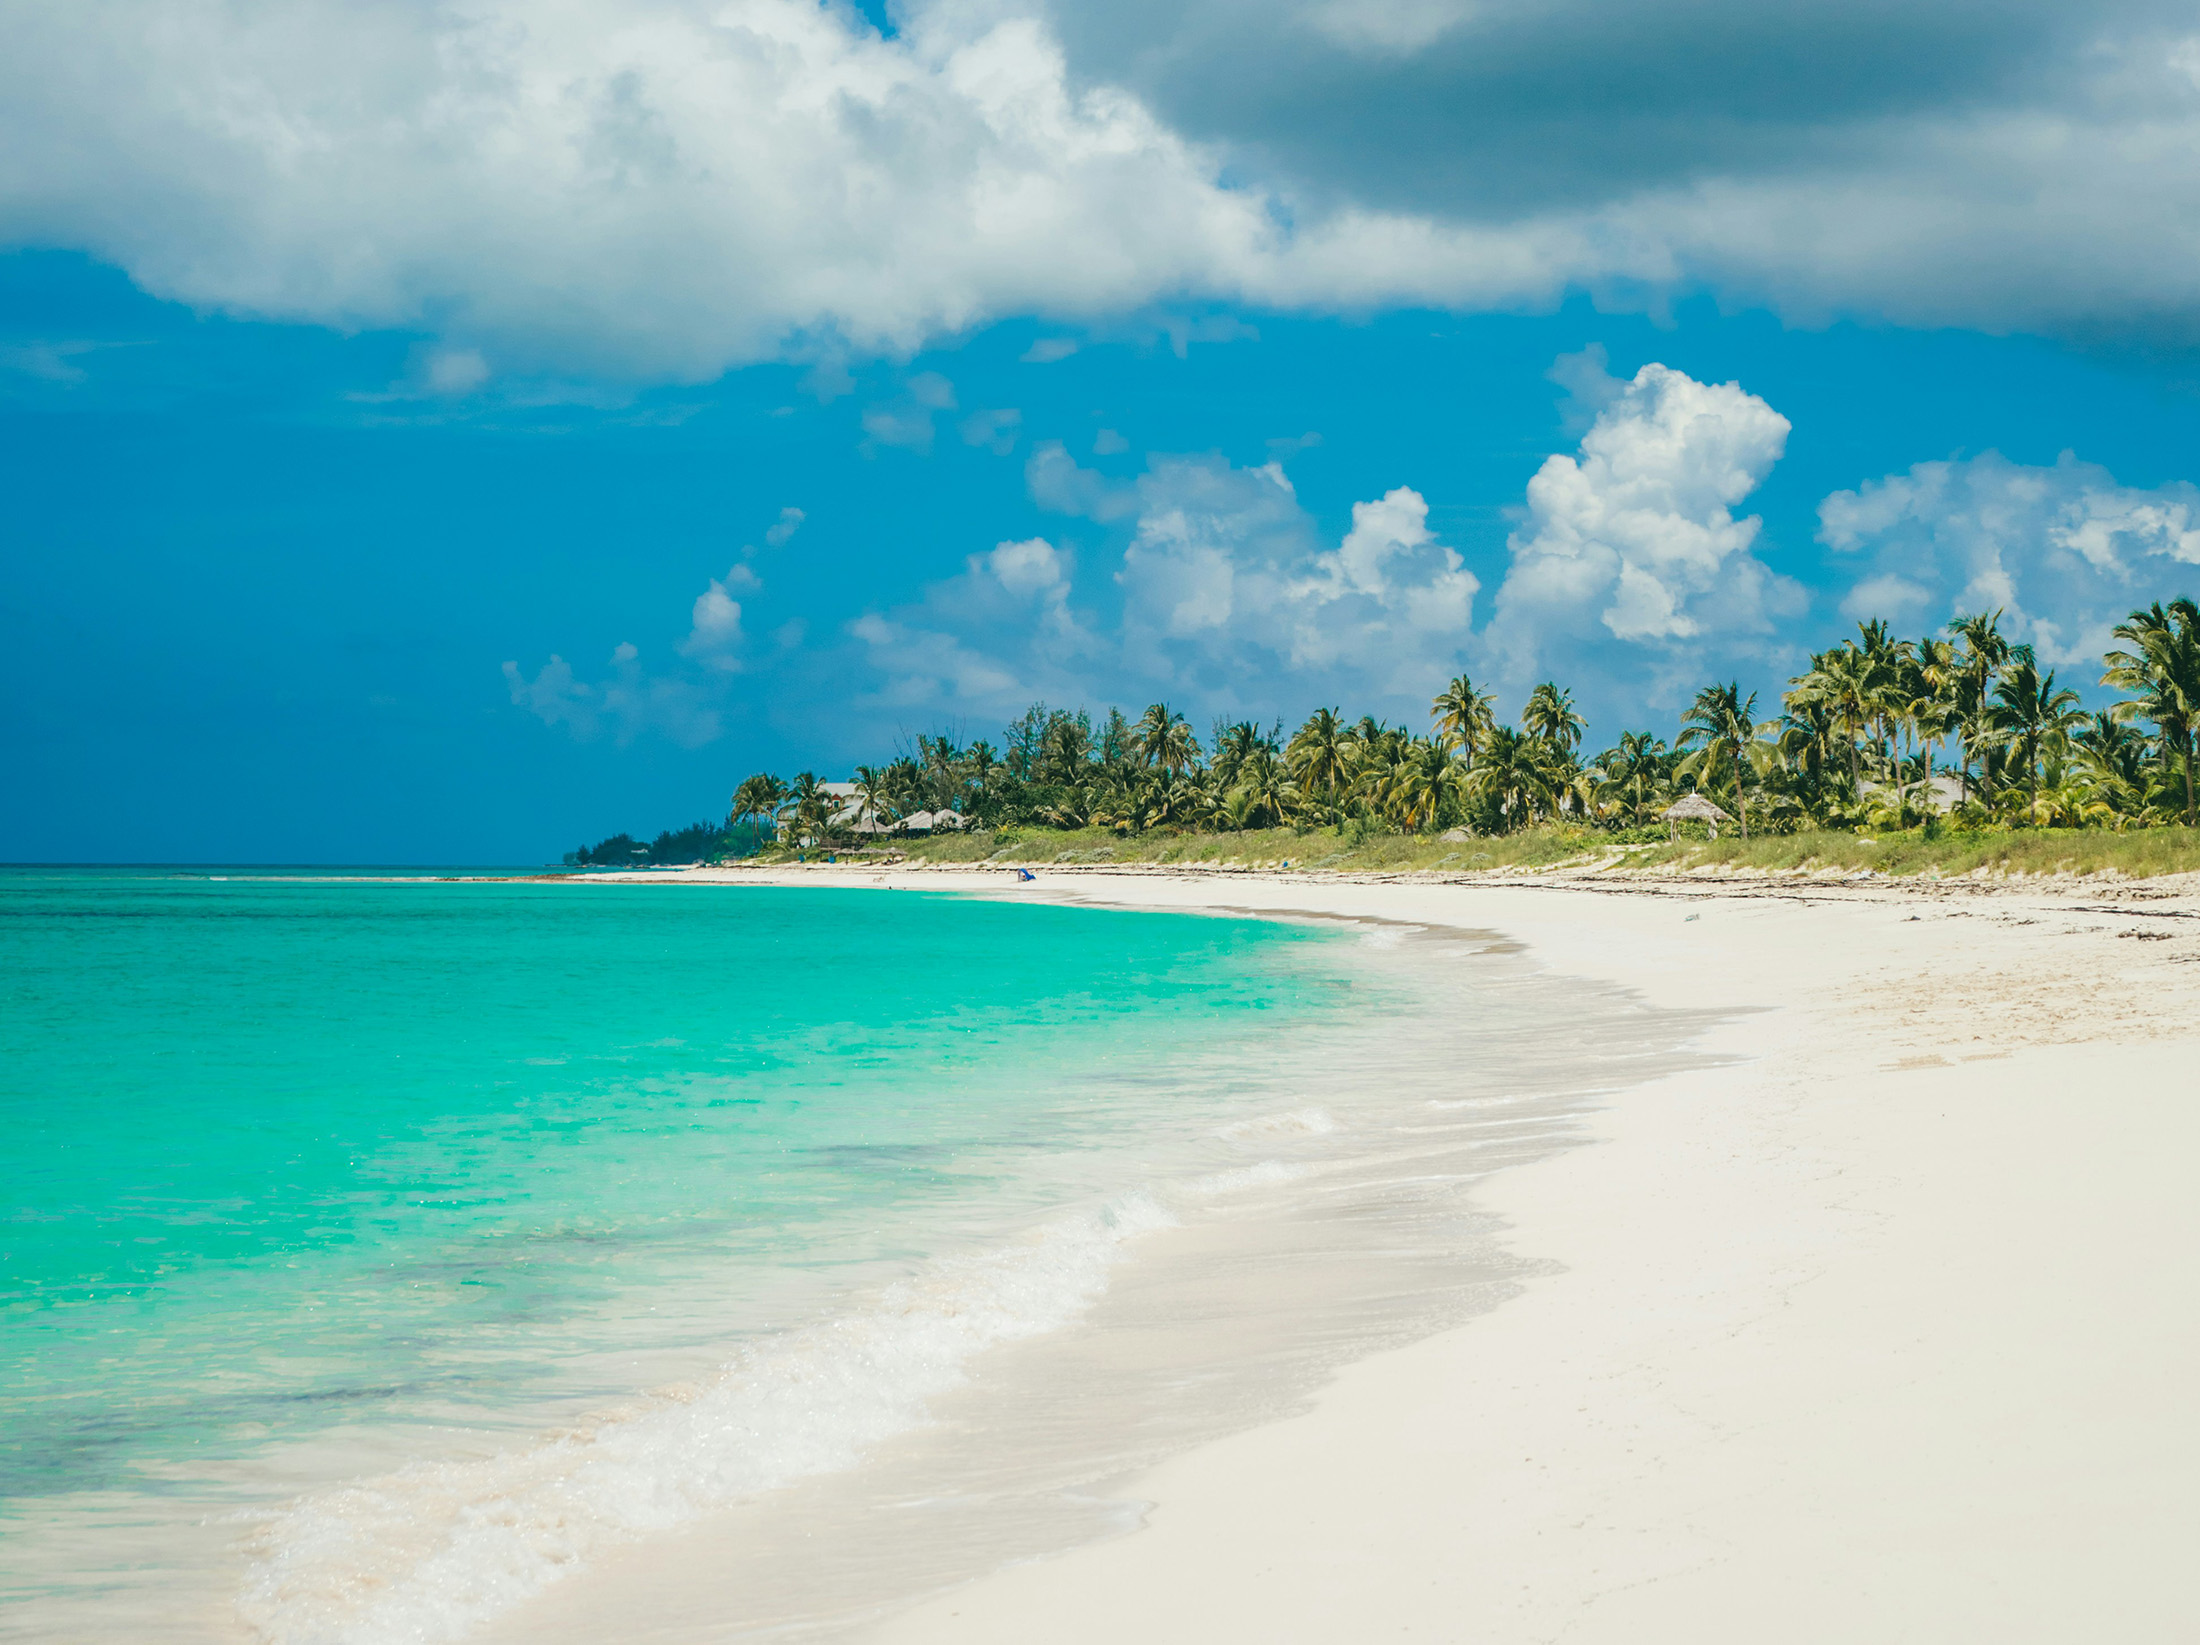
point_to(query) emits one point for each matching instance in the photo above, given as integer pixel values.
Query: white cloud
(1056, 482)
(995, 430)
(908, 422)
(654, 188)
(2064, 550)
(1634, 540)
(1227, 600)
(2018, 165)
(789, 522)
(714, 637)
(1000, 633)
(1034, 567)
(554, 696)
(1894, 597)
(1047, 350)
(662, 188)
(1224, 584)
(928, 670)
(628, 702)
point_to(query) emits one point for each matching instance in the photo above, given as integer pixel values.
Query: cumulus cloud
(2065, 551)
(654, 187)
(1224, 584)
(1056, 482)
(714, 635)
(999, 634)
(1635, 537)
(1225, 597)
(1633, 540)
(789, 522)
(627, 702)
(663, 188)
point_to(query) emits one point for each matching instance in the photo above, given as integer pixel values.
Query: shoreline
(1333, 1222)
(1884, 1332)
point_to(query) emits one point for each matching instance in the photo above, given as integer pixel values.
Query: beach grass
(2139, 853)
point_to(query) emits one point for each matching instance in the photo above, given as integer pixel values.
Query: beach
(1880, 1327)
(832, 1254)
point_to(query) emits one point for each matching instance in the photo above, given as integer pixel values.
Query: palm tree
(904, 786)
(1321, 756)
(941, 762)
(1074, 806)
(808, 806)
(2113, 758)
(1417, 785)
(1377, 749)
(1268, 781)
(758, 796)
(1633, 772)
(1234, 745)
(2030, 714)
(1985, 651)
(1240, 809)
(1173, 797)
(1064, 748)
(1840, 683)
(1804, 742)
(1514, 772)
(1885, 664)
(1462, 716)
(1549, 714)
(983, 767)
(1164, 740)
(1722, 727)
(749, 800)
(876, 787)
(1929, 688)
(2163, 667)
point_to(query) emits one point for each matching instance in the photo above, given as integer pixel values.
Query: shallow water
(390, 1255)
(309, 1177)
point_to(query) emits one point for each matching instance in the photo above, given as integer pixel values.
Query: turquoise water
(291, 1157)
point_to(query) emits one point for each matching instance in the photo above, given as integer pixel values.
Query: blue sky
(446, 504)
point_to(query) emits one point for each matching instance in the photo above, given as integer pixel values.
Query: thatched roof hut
(1694, 808)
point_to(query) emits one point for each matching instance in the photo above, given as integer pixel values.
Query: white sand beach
(1885, 1329)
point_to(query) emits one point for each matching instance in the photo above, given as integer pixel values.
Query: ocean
(385, 1252)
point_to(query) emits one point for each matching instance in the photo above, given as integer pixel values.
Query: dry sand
(1888, 1330)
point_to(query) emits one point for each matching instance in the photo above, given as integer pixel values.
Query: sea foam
(431, 1551)
(1300, 1122)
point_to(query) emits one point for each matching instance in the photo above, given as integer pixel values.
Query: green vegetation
(1951, 753)
(1943, 852)
(698, 842)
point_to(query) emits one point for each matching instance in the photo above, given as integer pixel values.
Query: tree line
(698, 842)
(1883, 732)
